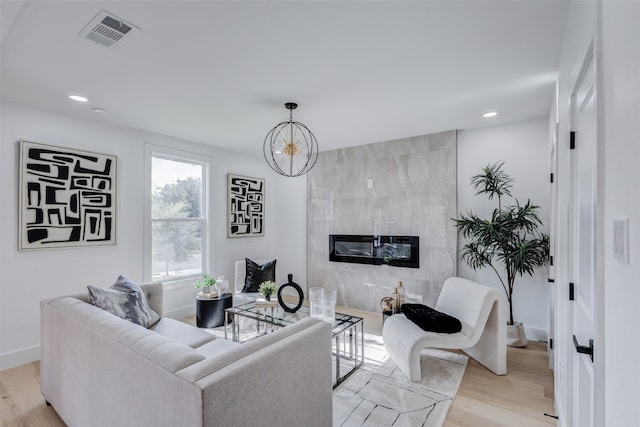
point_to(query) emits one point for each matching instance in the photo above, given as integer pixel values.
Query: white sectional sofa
(100, 370)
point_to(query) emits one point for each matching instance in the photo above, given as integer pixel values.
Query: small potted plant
(267, 288)
(205, 284)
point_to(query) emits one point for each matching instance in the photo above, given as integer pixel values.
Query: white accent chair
(240, 297)
(481, 311)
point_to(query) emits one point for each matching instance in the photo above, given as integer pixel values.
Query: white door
(583, 246)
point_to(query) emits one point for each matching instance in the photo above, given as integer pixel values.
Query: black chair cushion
(430, 319)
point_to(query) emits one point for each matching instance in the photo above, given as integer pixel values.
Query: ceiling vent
(108, 30)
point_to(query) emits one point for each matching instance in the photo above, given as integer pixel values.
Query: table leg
(354, 345)
(236, 328)
(351, 340)
(337, 358)
(225, 325)
(361, 341)
(273, 328)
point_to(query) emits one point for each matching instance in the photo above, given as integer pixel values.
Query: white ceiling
(219, 72)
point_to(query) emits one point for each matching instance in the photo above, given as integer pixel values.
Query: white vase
(221, 285)
(516, 336)
(329, 297)
(315, 302)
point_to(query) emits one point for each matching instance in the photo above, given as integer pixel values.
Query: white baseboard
(535, 334)
(182, 312)
(19, 357)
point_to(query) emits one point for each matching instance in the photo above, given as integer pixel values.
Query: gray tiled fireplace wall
(405, 187)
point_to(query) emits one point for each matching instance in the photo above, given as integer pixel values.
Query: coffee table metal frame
(347, 332)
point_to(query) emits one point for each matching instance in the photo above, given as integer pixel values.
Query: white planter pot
(516, 336)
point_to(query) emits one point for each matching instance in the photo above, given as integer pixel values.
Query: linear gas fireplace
(397, 251)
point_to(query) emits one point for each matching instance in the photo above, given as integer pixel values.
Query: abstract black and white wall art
(245, 206)
(67, 197)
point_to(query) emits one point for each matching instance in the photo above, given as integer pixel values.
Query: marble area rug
(379, 394)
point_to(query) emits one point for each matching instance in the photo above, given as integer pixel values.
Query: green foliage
(492, 182)
(176, 241)
(510, 238)
(206, 281)
(267, 288)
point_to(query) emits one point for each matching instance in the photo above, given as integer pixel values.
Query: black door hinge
(550, 280)
(551, 260)
(571, 292)
(572, 140)
(550, 343)
(551, 176)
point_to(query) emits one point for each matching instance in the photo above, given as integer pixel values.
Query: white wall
(621, 87)
(30, 276)
(524, 148)
(290, 211)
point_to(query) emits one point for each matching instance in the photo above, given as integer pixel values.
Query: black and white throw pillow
(126, 300)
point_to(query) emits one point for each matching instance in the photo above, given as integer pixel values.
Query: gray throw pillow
(126, 300)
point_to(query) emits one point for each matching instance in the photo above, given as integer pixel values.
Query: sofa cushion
(126, 300)
(430, 319)
(182, 333)
(216, 347)
(256, 274)
(69, 314)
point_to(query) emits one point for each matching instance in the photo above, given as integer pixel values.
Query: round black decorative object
(298, 289)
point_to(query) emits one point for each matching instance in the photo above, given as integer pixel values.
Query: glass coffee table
(347, 333)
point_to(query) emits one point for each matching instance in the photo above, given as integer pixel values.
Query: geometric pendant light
(290, 148)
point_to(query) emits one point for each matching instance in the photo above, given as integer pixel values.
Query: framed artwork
(245, 206)
(67, 197)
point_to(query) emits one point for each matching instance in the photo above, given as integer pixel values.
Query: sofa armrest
(267, 377)
(154, 293)
(100, 370)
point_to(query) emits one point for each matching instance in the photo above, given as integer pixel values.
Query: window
(177, 240)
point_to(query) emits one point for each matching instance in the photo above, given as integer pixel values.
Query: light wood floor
(519, 398)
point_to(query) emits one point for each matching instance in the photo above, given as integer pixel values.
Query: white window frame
(152, 151)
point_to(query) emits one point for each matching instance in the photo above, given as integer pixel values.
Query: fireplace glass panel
(397, 251)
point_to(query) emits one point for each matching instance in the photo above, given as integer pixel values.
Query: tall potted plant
(509, 240)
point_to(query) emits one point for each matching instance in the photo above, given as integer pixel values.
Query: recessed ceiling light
(99, 110)
(490, 114)
(78, 98)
